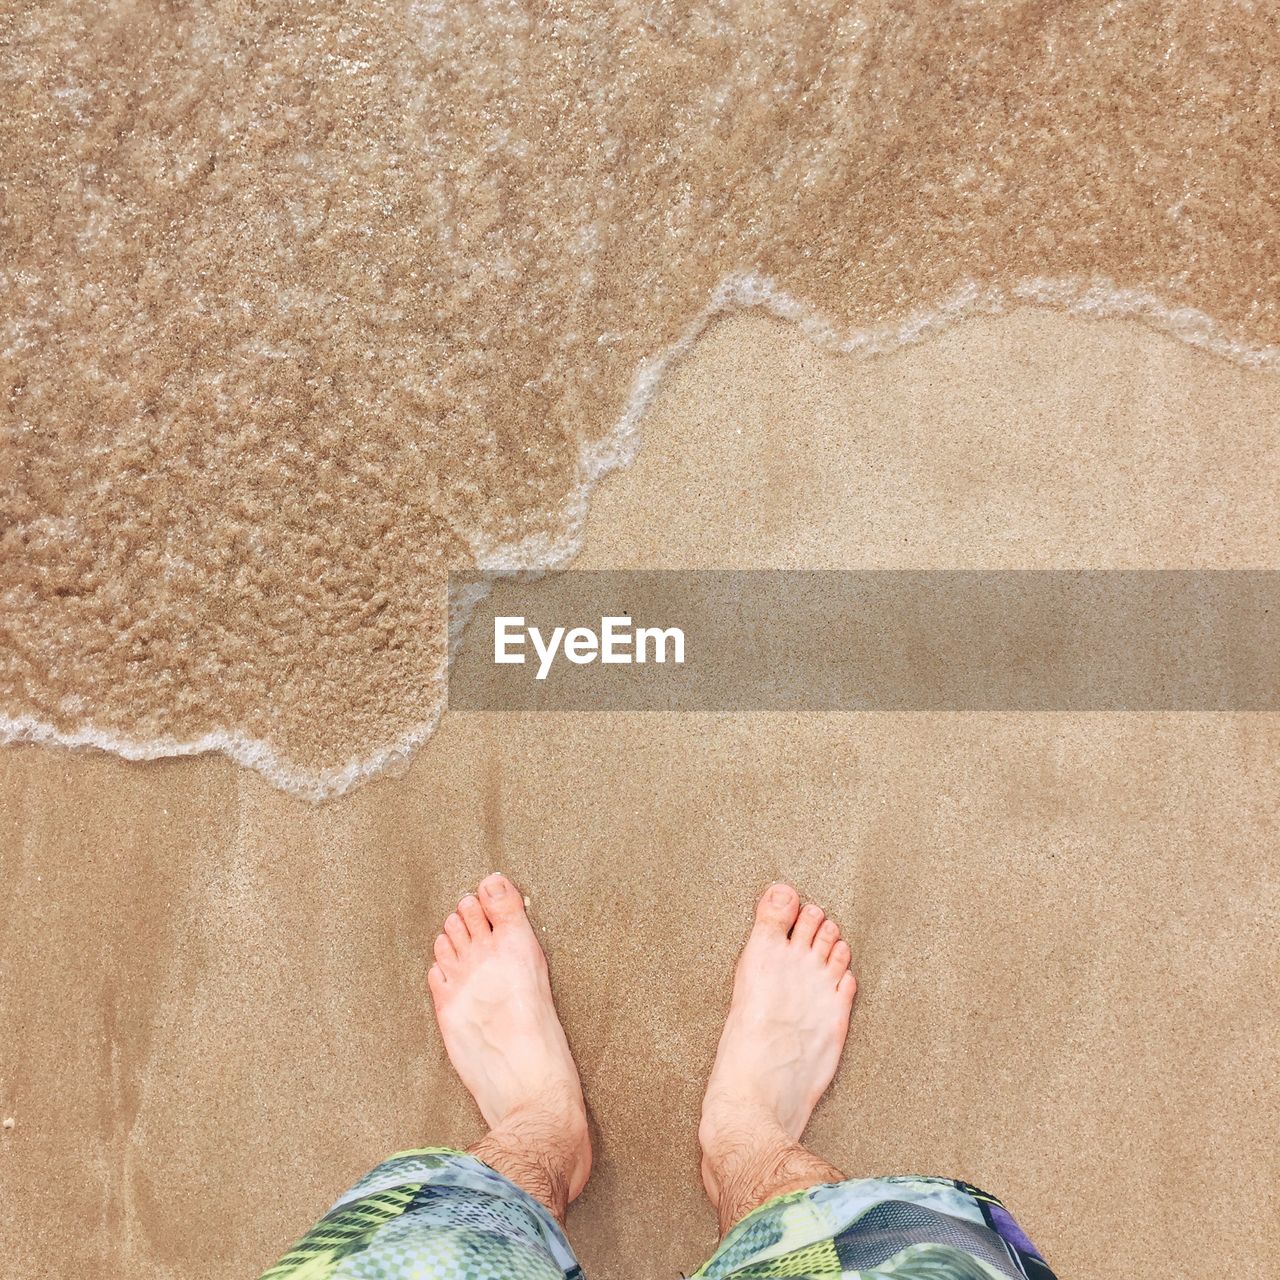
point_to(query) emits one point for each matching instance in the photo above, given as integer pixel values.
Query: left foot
(492, 995)
(792, 997)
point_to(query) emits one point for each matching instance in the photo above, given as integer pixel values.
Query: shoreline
(736, 295)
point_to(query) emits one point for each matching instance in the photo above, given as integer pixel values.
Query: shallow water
(304, 305)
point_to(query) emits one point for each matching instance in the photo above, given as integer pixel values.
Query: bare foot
(792, 997)
(493, 1002)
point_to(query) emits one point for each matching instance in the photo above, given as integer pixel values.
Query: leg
(497, 1210)
(493, 1001)
(792, 997)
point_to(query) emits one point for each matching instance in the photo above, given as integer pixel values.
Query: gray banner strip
(877, 640)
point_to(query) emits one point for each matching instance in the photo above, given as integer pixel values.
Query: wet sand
(213, 994)
(304, 306)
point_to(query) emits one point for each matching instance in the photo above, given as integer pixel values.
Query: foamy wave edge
(1095, 298)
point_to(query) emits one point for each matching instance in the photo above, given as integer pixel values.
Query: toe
(847, 986)
(502, 903)
(446, 956)
(473, 914)
(807, 925)
(840, 957)
(456, 931)
(436, 980)
(776, 910)
(827, 938)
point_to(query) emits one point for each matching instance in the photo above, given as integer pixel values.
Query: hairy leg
(536, 1153)
(744, 1170)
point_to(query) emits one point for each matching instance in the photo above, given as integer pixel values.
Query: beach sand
(212, 994)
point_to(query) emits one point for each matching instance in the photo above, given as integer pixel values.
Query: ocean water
(305, 303)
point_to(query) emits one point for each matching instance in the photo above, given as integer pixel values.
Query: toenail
(780, 896)
(812, 910)
(497, 889)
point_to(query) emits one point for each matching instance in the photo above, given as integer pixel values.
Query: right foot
(493, 1001)
(792, 997)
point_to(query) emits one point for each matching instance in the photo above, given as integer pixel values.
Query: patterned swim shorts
(440, 1214)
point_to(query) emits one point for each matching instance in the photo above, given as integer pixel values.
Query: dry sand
(212, 995)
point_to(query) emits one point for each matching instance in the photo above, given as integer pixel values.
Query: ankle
(561, 1112)
(553, 1174)
(544, 1147)
(558, 1130)
(732, 1138)
(748, 1159)
(731, 1127)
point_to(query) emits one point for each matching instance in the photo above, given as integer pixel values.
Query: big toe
(501, 901)
(777, 909)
